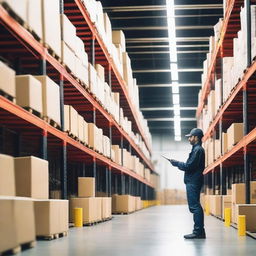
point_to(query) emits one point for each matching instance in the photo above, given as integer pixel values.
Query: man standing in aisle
(193, 179)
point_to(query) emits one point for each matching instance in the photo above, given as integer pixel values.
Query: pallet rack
(20, 48)
(239, 107)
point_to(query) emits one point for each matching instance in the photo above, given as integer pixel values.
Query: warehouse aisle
(156, 231)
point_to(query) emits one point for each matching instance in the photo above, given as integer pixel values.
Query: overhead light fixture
(176, 98)
(177, 138)
(174, 67)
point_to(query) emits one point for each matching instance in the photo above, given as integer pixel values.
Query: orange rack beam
(120, 80)
(249, 138)
(36, 122)
(38, 49)
(206, 87)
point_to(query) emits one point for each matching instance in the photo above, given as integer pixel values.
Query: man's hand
(174, 162)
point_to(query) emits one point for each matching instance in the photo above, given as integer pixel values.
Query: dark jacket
(194, 166)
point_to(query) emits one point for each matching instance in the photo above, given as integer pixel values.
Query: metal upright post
(44, 145)
(61, 6)
(110, 138)
(110, 182)
(110, 77)
(63, 173)
(62, 102)
(94, 115)
(245, 103)
(93, 51)
(122, 153)
(213, 182)
(116, 184)
(122, 184)
(107, 181)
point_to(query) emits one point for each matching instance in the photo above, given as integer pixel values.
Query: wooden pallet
(73, 136)
(53, 236)
(19, 248)
(51, 122)
(52, 52)
(34, 112)
(7, 96)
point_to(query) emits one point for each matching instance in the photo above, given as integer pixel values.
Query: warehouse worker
(193, 179)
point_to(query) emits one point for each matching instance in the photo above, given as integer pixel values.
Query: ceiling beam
(144, 8)
(167, 70)
(164, 27)
(164, 52)
(170, 119)
(166, 39)
(167, 46)
(166, 108)
(164, 16)
(167, 85)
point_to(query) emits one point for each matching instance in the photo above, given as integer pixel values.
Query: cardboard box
(51, 216)
(226, 203)
(108, 27)
(88, 206)
(18, 7)
(7, 80)
(51, 98)
(68, 32)
(17, 222)
(92, 134)
(81, 128)
(7, 177)
(68, 57)
(66, 118)
(253, 192)
(86, 131)
(137, 203)
(234, 213)
(73, 121)
(34, 17)
(114, 208)
(217, 149)
(249, 210)
(86, 187)
(98, 208)
(32, 177)
(29, 92)
(238, 193)
(117, 153)
(224, 142)
(51, 25)
(125, 204)
(92, 79)
(235, 134)
(216, 205)
(100, 71)
(119, 38)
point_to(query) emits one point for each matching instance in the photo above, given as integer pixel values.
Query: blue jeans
(193, 196)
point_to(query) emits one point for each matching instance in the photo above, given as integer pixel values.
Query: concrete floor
(157, 231)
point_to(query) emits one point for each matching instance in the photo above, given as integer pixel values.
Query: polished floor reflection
(157, 231)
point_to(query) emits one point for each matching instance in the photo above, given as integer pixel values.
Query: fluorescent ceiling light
(176, 112)
(176, 98)
(176, 119)
(175, 87)
(177, 138)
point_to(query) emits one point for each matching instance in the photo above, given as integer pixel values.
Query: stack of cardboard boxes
(95, 209)
(26, 211)
(125, 203)
(171, 197)
(229, 139)
(60, 36)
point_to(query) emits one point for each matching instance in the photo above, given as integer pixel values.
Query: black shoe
(195, 236)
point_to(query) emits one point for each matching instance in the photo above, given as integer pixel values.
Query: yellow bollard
(207, 209)
(78, 217)
(241, 225)
(227, 216)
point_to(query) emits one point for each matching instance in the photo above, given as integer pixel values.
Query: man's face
(192, 140)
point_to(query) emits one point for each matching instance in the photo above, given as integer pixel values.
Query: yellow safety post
(158, 202)
(227, 217)
(207, 208)
(78, 217)
(241, 225)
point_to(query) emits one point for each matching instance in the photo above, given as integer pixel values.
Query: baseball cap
(196, 132)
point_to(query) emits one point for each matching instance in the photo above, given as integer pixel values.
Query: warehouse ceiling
(145, 26)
